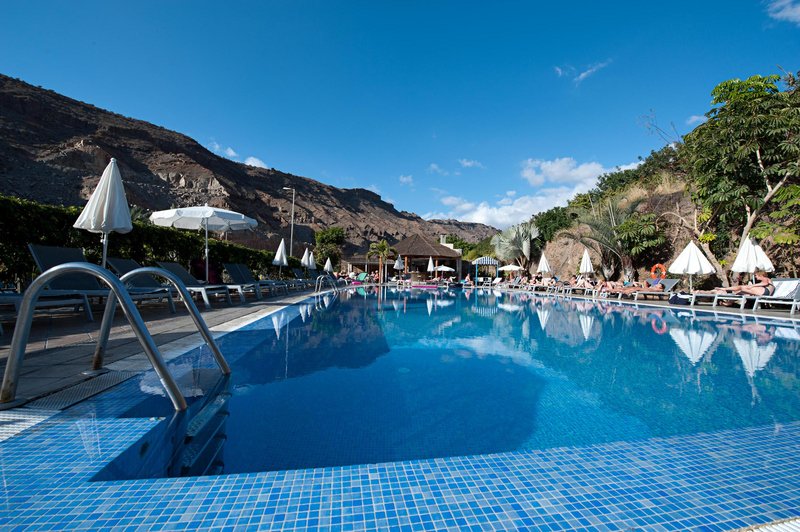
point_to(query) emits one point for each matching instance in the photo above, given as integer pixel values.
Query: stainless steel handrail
(108, 318)
(321, 281)
(19, 342)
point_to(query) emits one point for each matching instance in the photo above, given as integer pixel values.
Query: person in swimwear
(762, 287)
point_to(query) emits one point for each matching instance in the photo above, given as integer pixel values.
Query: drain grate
(75, 394)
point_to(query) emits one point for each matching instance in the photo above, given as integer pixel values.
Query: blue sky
(481, 111)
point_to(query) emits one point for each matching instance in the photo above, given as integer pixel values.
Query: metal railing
(111, 306)
(8, 389)
(321, 280)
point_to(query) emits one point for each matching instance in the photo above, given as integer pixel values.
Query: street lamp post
(291, 231)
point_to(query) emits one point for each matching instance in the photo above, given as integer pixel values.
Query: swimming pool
(373, 377)
(58, 474)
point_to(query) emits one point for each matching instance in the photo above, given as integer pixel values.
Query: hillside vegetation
(735, 175)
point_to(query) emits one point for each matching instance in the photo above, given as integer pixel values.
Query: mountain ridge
(53, 149)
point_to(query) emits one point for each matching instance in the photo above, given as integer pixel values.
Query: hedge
(24, 222)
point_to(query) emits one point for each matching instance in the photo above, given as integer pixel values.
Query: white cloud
(438, 191)
(217, 148)
(560, 180)
(695, 119)
(406, 179)
(559, 71)
(787, 10)
(255, 161)
(374, 188)
(434, 168)
(561, 170)
(469, 163)
(590, 71)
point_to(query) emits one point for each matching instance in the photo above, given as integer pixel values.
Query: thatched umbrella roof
(419, 246)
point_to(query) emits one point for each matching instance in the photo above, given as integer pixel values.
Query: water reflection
(375, 375)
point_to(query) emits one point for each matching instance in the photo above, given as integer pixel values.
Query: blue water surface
(374, 376)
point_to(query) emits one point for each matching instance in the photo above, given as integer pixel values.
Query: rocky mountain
(53, 149)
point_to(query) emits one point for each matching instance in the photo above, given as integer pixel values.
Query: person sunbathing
(762, 287)
(655, 286)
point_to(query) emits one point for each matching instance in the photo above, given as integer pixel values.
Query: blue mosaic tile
(715, 481)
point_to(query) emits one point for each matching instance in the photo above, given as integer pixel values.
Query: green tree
(383, 251)
(552, 221)
(746, 152)
(516, 243)
(329, 244)
(484, 248)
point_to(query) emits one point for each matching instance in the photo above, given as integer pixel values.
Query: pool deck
(718, 481)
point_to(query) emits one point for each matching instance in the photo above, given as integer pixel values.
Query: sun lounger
(786, 293)
(669, 287)
(240, 273)
(141, 282)
(83, 284)
(196, 287)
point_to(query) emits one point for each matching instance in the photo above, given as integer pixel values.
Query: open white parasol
(205, 217)
(751, 258)
(691, 262)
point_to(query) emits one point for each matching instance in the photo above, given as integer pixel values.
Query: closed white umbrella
(544, 266)
(279, 321)
(510, 268)
(754, 356)
(328, 266)
(587, 322)
(751, 258)
(205, 217)
(691, 262)
(694, 344)
(304, 259)
(280, 259)
(430, 264)
(107, 209)
(544, 316)
(586, 263)
(312, 262)
(398, 264)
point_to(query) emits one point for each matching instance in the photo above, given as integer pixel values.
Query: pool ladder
(118, 292)
(322, 280)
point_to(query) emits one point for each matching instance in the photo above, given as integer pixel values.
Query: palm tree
(383, 251)
(619, 233)
(515, 243)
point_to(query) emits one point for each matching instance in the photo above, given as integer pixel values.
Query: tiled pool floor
(723, 480)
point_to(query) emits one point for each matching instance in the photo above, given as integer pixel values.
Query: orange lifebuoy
(658, 267)
(656, 328)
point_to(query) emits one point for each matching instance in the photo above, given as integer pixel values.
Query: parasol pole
(105, 248)
(205, 222)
